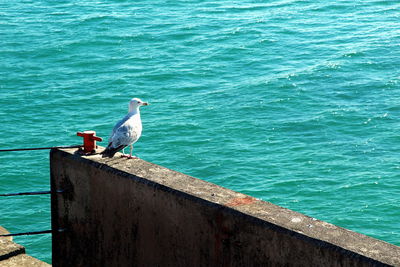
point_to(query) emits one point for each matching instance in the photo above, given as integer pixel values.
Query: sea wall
(13, 254)
(129, 212)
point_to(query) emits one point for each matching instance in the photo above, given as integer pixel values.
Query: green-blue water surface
(294, 102)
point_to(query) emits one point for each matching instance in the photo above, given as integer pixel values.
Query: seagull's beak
(145, 104)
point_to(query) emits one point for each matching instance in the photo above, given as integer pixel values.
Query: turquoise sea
(296, 102)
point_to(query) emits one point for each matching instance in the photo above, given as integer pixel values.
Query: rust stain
(240, 201)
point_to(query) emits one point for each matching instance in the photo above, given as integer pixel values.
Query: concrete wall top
(313, 231)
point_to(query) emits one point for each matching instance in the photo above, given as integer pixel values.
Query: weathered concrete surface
(3, 231)
(9, 249)
(23, 260)
(128, 212)
(13, 254)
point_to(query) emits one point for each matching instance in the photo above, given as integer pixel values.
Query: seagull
(127, 131)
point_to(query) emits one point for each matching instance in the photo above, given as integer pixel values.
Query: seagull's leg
(130, 151)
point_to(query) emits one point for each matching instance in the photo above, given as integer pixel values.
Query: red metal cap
(89, 140)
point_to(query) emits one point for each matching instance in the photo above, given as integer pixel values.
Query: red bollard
(89, 141)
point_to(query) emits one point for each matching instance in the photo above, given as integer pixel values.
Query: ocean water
(295, 102)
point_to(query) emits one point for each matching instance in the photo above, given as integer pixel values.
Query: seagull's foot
(128, 156)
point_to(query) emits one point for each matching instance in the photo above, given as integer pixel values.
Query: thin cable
(26, 193)
(29, 233)
(38, 148)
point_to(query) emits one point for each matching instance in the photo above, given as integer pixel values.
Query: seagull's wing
(117, 126)
(125, 135)
(114, 141)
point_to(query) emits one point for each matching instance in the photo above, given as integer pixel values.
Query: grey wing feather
(124, 135)
(118, 125)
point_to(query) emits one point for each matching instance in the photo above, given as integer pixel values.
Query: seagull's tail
(110, 151)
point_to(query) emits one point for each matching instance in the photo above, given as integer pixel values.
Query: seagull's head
(135, 103)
